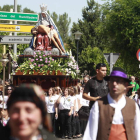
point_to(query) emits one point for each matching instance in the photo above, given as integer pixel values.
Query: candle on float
(4, 49)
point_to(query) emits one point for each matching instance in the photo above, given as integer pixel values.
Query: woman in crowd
(50, 103)
(3, 108)
(66, 107)
(59, 90)
(9, 90)
(78, 129)
(73, 123)
(4, 115)
(75, 120)
(28, 115)
(57, 93)
(83, 104)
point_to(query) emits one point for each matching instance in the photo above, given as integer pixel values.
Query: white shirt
(92, 125)
(50, 103)
(5, 101)
(56, 96)
(137, 100)
(74, 101)
(83, 101)
(66, 103)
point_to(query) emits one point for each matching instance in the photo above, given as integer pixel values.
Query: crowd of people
(114, 103)
(61, 107)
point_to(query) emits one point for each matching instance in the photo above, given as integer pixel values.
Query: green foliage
(63, 25)
(62, 22)
(54, 16)
(121, 26)
(88, 55)
(91, 37)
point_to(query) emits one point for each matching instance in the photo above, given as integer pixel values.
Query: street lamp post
(77, 37)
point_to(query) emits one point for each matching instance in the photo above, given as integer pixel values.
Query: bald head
(132, 78)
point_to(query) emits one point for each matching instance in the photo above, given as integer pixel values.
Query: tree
(121, 26)
(62, 22)
(63, 25)
(7, 9)
(89, 26)
(54, 16)
(92, 56)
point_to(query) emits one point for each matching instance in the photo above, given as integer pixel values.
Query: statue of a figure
(46, 26)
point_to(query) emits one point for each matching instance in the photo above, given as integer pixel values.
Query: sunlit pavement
(70, 139)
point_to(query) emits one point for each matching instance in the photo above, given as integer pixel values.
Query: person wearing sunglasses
(9, 90)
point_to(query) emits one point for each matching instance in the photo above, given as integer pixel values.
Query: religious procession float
(45, 62)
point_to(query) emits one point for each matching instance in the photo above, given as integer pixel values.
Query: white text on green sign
(19, 16)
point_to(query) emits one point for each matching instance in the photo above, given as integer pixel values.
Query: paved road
(71, 139)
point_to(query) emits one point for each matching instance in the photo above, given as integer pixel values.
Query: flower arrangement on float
(44, 64)
(71, 66)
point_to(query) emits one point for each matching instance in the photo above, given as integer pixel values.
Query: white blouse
(83, 101)
(50, 102)
(66, 103)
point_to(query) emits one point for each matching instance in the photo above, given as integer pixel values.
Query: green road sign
(19, 16)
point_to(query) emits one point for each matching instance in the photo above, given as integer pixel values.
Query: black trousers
(83, 124)
(53, 121)
(75, 126)
(57, 126)
(65, 123)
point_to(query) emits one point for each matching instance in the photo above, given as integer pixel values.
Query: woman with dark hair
(66, 107)
(9, 89)
(28, 115)
(75, 119)
(3, 108)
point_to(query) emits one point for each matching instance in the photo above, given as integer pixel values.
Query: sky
(72, 7)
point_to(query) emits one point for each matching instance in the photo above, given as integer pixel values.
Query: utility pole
(9, 63)
(15, 33)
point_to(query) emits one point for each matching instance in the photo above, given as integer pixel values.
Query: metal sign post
(111, 58)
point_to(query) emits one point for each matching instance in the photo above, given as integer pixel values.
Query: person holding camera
(65, 106)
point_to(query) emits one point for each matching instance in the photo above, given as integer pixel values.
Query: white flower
(67, 69)
(78, 71)
(31, 66)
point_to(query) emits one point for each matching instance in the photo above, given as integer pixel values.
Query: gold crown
(43, 8)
